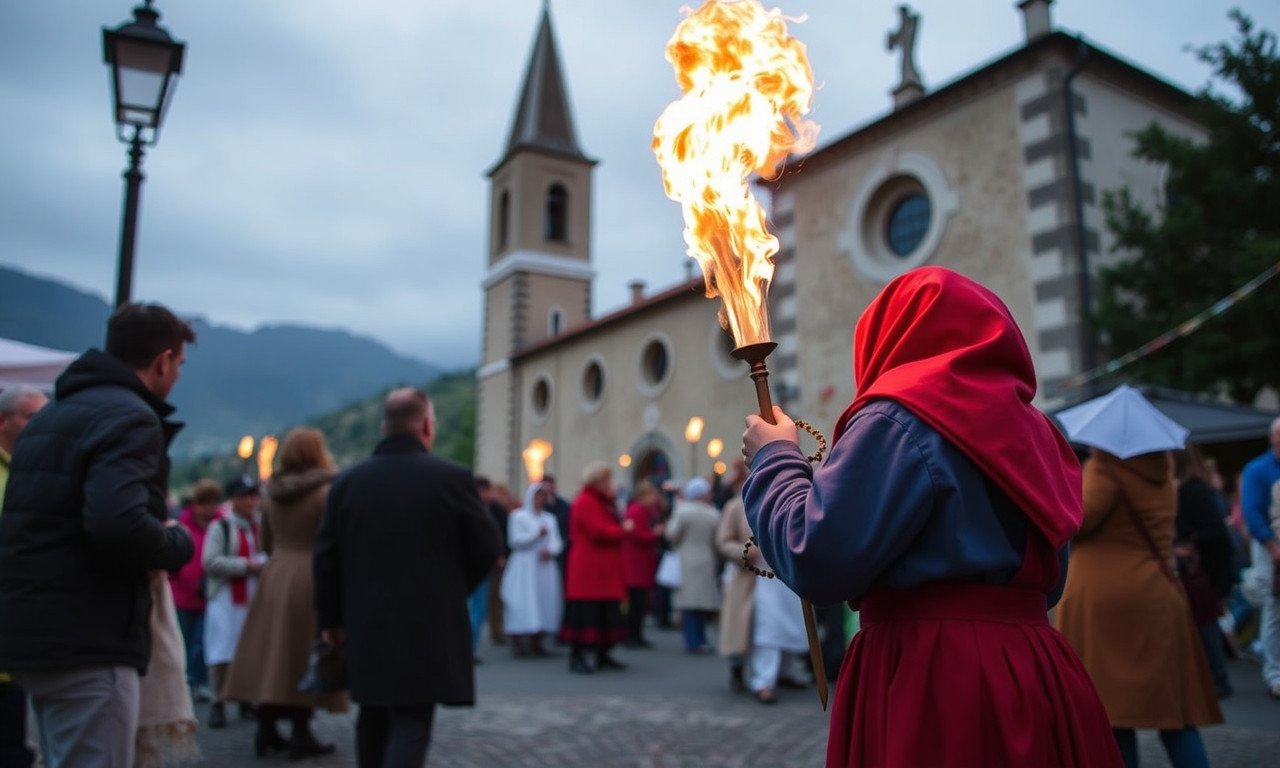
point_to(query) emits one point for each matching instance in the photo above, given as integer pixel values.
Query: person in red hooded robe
(942, 514)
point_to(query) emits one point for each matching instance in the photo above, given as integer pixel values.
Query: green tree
(1219, 228)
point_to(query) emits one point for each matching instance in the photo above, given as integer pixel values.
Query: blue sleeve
(1255, 500)
(829, 533)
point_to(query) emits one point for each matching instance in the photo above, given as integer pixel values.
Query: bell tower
(538, 277)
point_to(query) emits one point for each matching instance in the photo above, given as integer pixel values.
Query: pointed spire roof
(543, 119)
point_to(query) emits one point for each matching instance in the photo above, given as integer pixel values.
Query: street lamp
(693, 433)
(143, 59)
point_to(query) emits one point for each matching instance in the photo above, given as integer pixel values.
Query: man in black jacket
(403, 541)
(84, 521)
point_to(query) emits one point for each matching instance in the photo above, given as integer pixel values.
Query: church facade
(998, 175)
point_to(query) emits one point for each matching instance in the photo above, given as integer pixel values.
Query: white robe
(778, 618)
(532, 597)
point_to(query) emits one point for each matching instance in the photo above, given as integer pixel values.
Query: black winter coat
(83, 523)
(404, 540)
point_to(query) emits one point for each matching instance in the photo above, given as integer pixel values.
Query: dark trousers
(637, 607)
(662, 607)
(13, 727)
(192, 625)
(393, 737)
(1215, 653)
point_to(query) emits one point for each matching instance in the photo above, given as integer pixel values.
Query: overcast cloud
(323, 162)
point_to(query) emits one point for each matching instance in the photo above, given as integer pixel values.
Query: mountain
(352, 431)
(234, 382)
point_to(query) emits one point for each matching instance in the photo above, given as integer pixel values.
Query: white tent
(28, 364)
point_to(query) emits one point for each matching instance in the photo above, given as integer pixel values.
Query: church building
(998, 174)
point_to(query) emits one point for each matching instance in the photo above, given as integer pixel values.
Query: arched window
(557, 218)
(504, 218)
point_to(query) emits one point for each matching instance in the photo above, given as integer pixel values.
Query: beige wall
(631, 416)
(498, 321)
(977, 148)
(527, 177)
(1112, 116)
(493, 426)
(544, 292)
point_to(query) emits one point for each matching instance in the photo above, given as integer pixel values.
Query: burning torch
(747, 86)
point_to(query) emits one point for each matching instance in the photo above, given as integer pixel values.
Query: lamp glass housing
(143, 59)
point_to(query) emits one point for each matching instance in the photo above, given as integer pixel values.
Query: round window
(657, 364)
(908, 224)
(540, 396)
(654, 363)
(593, 382)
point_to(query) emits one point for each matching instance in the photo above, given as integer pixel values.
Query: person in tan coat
(734, 642)
(275, 644)
(1126, 615)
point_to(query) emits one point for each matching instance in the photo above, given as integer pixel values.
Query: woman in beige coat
(692, 533)
(734, 642)
(275, 644)
(1124, 611)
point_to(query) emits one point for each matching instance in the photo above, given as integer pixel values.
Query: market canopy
(1209, 421)
(31, 365)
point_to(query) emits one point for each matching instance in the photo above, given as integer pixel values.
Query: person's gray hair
(404, 410)
(10, 397)
(596, 471)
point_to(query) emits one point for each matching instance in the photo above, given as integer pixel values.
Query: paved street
(671, 710)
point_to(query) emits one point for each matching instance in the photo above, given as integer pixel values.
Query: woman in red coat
(594, 585)
(640, 558)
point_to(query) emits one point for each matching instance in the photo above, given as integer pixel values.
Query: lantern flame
(267, 454)
(535, 456)
(245, 449)
(747, 86)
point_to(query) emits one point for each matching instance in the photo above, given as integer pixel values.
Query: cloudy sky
(322, 161)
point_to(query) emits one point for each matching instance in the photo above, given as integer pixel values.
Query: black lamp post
(143, 59)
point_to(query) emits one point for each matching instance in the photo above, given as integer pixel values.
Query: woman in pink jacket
(188, 584)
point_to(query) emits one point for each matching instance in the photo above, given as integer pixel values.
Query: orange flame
(535, 457)
(267, 454)
(245, 449)
(747, 86)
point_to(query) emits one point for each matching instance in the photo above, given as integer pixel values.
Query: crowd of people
(1042, 605)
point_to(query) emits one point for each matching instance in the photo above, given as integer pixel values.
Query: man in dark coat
(403, 541)
(85, 518)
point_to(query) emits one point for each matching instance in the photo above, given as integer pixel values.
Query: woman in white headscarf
(531, 590)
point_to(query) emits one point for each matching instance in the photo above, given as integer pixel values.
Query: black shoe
(736, 682)
(217, 715)
(307, 746)
(580, 667)
(605, 661)
(268, 739)
(248, 712)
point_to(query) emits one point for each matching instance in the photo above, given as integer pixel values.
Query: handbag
(326, 669)
(1199, 587)
(669, 570)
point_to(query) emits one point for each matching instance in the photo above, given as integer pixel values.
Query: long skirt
(959, 675)
(593, 623)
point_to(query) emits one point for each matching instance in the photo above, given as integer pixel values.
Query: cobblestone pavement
(671, 710)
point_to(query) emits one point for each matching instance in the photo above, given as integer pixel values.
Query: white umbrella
(1122, 423)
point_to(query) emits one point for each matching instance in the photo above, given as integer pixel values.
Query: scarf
(948, 350)
(240, 584)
